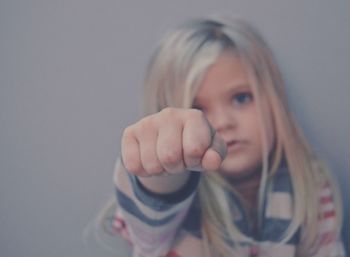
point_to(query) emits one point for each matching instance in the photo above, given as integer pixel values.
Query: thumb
(215, 154)
(219, 146)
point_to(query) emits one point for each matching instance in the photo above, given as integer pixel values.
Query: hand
(172, 141)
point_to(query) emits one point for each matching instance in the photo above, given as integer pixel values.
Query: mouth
(235, 145)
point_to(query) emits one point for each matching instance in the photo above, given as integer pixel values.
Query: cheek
(252, 126)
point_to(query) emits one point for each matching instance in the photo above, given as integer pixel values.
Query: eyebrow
(237, 86)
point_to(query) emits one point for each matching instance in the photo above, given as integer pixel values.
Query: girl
(218, 165)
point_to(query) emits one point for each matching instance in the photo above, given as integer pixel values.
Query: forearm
(165, 184)
(153, 218)
(160, 190)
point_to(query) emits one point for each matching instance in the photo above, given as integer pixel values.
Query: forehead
(227, 74)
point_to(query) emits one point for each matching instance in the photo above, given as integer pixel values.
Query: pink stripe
(172, 254)
(326, 199)
(328, 214)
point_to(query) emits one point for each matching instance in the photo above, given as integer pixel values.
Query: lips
(235, 144)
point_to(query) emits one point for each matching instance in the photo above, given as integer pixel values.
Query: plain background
(70, 80)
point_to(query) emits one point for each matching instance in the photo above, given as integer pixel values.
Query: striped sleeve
(152, 219)
(329, 243)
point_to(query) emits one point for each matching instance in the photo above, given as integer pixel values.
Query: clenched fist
(172, 141)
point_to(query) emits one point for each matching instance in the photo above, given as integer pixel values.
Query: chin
(238, 167)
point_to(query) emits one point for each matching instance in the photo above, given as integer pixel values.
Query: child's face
(228, 103)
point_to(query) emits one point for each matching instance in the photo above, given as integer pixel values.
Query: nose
(222, 118)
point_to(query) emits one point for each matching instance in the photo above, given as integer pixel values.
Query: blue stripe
(193, 221)
(282, 181)
(274, 228)
(163, 202)
(128, 205)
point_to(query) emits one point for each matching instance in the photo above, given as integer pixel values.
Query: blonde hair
(172, 79)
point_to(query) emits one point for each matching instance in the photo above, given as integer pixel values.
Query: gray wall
(70, 81)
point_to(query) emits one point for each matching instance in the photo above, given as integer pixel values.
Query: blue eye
(242, 98)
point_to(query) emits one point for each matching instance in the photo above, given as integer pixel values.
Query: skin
(221, 133)
(226, 99)
(170, 143)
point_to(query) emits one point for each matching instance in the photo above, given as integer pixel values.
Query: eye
(242, 98)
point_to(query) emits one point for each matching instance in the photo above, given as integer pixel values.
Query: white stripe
(326, 225)
(325, 192)
(334, 249)
(188, 245)
(327, 207)
(270, 249)
(279, 205)
(150, 241)
(143, 229)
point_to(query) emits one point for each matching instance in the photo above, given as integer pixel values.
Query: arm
(152, 218)
(329, 243)
(154, 185)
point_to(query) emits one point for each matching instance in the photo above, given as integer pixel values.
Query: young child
(218, 165)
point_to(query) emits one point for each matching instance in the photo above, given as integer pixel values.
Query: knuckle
(196, 114)
(133, 166)
(144, 123)
(144, 126)
(169, 115)
(168, 111)
(127, 132)
(153, 168)
(195, 151)
(170, 157)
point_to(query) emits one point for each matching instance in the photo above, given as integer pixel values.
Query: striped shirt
(170, 225)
